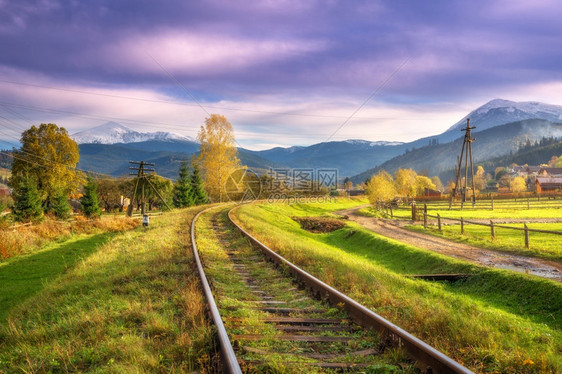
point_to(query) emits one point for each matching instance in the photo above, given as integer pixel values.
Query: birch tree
(217, 156)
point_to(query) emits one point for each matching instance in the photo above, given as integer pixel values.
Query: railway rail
(274, 314)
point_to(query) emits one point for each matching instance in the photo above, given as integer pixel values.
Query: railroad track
(272, 316)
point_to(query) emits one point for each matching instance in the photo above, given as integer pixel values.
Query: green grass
(548, 246)
(499, 213)
(496, 320)
(24, 276)
(130, 302)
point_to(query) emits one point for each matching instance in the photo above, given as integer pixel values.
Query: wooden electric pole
(461, 185)
(142, 178)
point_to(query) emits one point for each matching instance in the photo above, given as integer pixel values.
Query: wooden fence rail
(417, 212)
(493, 226)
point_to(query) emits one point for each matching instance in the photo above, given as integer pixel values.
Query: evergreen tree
(90, 202)
(198, 194)
(183, 196)
(27, 203)
(59, 205)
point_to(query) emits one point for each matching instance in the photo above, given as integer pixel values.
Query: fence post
(526, 236)
(528, 205)
(462, 226)
(439, 221)
(492, 203)
(425, 216)
(413, 210)
(492, 230)
(391, 214)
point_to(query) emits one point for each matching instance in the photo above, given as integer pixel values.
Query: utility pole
(142, 178)
(466, 151)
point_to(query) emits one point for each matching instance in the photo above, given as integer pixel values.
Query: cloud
(195, 54)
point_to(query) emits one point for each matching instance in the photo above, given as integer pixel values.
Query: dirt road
(481, 256)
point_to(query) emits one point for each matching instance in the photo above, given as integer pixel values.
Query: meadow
(127, 301)
(494, 321)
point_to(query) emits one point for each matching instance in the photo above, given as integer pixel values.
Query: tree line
(44, 178)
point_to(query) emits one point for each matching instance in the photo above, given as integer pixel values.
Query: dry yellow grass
(22, 239)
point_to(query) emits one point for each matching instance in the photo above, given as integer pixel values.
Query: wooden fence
(420, 214)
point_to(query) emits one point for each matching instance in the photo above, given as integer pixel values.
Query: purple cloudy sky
(283, 72)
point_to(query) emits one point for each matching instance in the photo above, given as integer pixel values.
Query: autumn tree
(380, 187)
(518, 184)
(183, 196)
(162, 189)
(480, 178)
(405, 182)
(111, 192)
(421, 183)
(218, 155)
(437, 182)
(49, 156)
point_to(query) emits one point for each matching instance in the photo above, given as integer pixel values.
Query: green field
(542, 245)
(495, 320)
(503, 209)
(125, 302)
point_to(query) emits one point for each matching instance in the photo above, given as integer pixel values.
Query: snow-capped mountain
(499, 112)
(112, 132)
(378, 143)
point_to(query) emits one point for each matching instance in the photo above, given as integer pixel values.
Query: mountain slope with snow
(499, 112)
(112, 133)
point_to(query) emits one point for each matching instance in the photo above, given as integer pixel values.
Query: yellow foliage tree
(518, 184)
(380, 187)
(217, 156)
(405, 182)
(49, 156)
(423, 182)
(480, 178)
(437, 182)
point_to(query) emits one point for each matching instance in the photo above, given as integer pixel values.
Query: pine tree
(27, 203)
(198, 194)
(59, 205)
(182, 188)
(90, 203)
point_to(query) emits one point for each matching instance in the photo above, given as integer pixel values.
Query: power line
(179, 84)
(377, 90)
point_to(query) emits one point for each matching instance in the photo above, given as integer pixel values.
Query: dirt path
(481, 256)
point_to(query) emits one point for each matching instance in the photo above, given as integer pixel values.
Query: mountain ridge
(113, 133)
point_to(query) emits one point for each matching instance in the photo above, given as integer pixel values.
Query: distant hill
(493, 142)
(349, 156)
(113, 159)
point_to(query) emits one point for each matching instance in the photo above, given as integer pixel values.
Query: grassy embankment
(496, 320)
(107, 302)
(236, 299)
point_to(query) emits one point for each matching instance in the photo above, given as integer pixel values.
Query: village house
(548, 184)
(550, 172)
